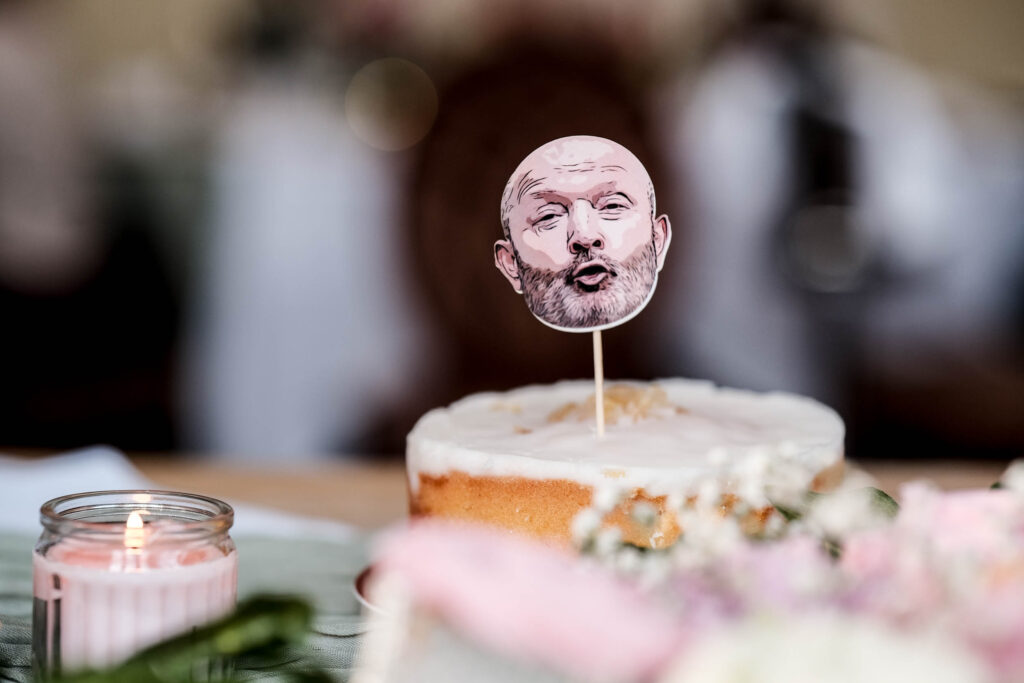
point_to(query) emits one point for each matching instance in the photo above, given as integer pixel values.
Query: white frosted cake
(530, 459)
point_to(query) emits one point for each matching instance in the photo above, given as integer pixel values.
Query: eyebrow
(526, 184)
(605, 189)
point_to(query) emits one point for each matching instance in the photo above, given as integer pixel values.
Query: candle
(117, 571)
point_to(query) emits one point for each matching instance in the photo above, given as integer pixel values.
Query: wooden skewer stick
(598, 383)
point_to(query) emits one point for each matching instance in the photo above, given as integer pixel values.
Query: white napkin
(25, 484)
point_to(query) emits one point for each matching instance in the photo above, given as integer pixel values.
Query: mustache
(586, 261)
(552, 295)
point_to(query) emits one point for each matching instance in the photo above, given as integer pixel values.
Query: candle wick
(134, 531)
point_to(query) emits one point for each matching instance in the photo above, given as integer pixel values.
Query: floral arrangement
(767, 583)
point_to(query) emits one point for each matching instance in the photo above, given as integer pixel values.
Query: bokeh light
(390, 104)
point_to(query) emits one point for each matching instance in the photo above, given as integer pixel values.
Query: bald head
(582, 240)
(576, 154)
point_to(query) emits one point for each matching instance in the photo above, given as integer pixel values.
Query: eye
(547, 216)
(614, 205)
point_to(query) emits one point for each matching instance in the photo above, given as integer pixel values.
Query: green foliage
(259, 627)
(884, 503)
(880, 500)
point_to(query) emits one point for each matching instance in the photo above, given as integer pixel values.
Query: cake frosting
(490, 454)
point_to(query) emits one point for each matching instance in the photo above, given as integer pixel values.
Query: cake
(530, 459)
(853, 588)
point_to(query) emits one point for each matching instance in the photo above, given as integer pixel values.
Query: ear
(662, 238)
(505, 261)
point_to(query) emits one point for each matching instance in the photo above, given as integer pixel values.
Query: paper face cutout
(583, 243)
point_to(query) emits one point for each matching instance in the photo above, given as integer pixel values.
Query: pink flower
(982, 523)
(991, 621)
(787, 574)
(531, 601)
(891, 577)
(870, 555)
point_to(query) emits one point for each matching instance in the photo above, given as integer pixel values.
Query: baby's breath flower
(655, 569)
(751, 493)
(757, 463)
(607, 541)
(644, 513)
(774, 526)
(585, 525)
(628, 560)
(787, 485)
(843, 512)
(607, 496)
(675, 502)
(708, 534)
(709, 494)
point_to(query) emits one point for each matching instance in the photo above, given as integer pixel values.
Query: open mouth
(591, 274)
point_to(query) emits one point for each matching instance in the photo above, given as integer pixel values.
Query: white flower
(774, 526)
(706, 535)
(823, 648)
(644, 513)
(752, 493)
(655, 569)
(607, 496)
(585, 525)
(607, 541)
(843, 512)
(628, 560)
(787, 484)
(1013, 478)
(757, 463)
(675, 502)
(709, 495)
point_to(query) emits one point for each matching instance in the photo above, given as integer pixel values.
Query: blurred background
(262, 229)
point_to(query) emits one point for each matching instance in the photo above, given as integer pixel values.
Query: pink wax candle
(117, 571)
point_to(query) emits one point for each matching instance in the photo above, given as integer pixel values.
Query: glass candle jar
(117, 571)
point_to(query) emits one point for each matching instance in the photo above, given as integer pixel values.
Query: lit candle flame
(133, 531)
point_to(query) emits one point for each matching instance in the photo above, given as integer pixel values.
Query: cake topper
(583, 241)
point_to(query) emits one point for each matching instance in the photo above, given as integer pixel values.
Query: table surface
(368, 495)
(371, 495)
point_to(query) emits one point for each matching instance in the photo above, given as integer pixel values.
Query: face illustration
(582, 243)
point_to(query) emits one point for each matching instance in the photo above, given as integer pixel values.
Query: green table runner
(320, 571)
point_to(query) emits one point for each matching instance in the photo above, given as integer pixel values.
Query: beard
(556, 298)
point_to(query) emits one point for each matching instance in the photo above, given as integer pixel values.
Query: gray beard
(552, 296)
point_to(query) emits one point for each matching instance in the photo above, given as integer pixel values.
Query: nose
(585, 229)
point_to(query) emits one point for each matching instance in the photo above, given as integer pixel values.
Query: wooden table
(368, 495)
(372, 495)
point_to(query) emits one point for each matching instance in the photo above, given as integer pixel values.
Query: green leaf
(260, 624)
(789, 514)
(883, 502)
